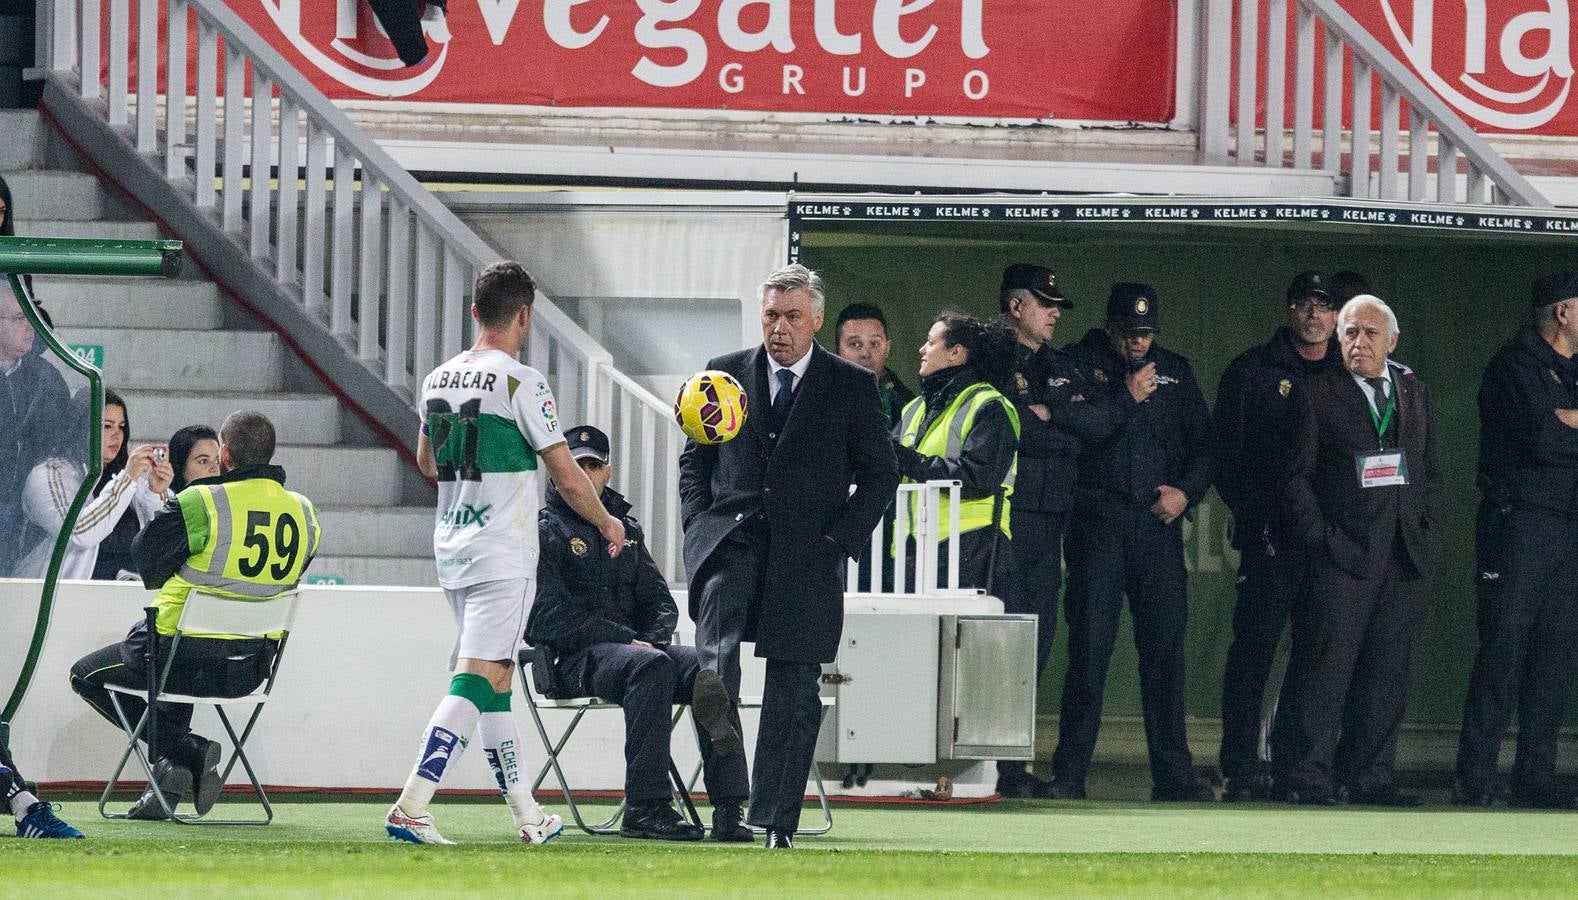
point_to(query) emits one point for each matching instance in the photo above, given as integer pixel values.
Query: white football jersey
(487, 418)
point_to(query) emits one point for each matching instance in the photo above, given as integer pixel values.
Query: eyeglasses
(1311, 304)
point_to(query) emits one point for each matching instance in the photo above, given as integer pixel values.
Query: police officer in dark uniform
(1252, 406)
(1125, 538)
(1031, 301)
(1526, 536)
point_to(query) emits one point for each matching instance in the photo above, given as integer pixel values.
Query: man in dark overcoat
(770, 523)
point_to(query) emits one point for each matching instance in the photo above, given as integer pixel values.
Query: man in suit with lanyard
(1365, 497)
(770, 522)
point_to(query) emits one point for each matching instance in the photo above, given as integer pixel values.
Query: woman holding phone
(134, 484)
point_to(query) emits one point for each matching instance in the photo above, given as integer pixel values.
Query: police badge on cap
(1131, 307)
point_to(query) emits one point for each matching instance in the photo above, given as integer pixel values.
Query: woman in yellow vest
(963, 427)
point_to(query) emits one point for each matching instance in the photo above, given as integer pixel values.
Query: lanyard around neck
(1383, 421)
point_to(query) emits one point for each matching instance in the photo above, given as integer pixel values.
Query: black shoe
(1304, 796)
(780, 840)
(1466, 796)
(173, 780)
(1246, 789)
(1063, 790)
(1387, 795)
(657, 820)
(1023, 787)
(728, 825)
(710, 704)
(201, 756)
(1195, 791)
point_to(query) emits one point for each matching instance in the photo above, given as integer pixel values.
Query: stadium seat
(530, 658)
(209, 614)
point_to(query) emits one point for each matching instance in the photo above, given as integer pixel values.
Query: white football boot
(412, 829)
(549, 828)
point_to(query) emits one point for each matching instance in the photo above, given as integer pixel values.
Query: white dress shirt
(773, 368)
(1369, 392)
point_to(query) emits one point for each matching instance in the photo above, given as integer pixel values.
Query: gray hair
(795, 277)
(1352, 307)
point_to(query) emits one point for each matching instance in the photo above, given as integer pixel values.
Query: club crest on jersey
(578, 546)
(550, 415)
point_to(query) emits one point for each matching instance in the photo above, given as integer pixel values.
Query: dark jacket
(1139, 447)
(1254, 401)
(32, 398)
(988, 451)
(1048, 451)
(1322, 502)
(894, 395)
(1527, 456)
(834, 439)
(586, 598)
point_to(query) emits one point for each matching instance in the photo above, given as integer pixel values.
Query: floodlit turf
(1111, 849)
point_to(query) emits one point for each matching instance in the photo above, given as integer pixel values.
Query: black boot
(728, 823)
(657, 820)
(173, 779)
(201, 756)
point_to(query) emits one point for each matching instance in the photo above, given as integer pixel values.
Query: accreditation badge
(1385, 468)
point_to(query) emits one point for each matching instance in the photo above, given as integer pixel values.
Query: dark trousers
(206, 667)
(1348, 678)
(1113, 553)
(1038, 560)
(785, 743)
(646, 682)
(1528, 627)
(728, 581)
(1268, 585)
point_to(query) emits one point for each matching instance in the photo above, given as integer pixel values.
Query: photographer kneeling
(607, 624)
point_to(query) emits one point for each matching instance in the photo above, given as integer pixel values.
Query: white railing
(350, 235)
(1325, 37)
(921, 576)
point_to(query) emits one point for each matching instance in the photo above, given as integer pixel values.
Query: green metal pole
(72, 256)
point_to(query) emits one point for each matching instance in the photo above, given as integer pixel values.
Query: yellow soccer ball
(710, 408)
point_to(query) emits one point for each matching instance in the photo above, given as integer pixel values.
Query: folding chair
(205, 614)
(816, 770)
(541, 700)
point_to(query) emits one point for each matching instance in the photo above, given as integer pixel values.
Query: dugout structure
(1458, 278)
(68, 429)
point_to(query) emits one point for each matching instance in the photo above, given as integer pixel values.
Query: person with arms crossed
(490, 422)
(770, 521)
(1526, 536)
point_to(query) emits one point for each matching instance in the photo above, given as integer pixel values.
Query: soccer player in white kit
(489, 422)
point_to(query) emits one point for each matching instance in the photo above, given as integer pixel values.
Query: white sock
(445, 739)
(501, 742)
(21, 802)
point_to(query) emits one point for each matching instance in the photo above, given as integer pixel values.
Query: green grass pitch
(337, 849)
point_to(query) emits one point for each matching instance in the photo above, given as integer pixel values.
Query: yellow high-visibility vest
(946, 438)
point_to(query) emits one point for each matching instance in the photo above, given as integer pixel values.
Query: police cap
(1038, 280)
(1556, 287)
(1132, 307)
(585, 442)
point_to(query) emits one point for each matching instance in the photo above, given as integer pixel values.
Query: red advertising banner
(1004, 59)
(1503, 65)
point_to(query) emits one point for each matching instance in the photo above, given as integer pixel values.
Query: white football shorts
(490, 618)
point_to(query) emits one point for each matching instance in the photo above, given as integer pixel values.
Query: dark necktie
(1379, 386)
(782, 402)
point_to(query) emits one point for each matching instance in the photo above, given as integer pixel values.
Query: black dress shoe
(1195, 791)
(658, 821)
(1246, 789)
(1462, 796)
(174, 781)
(710, 704)
(780, 840)
(728, 825)
(1304, 796)
(1064, 790)
(1023, 787)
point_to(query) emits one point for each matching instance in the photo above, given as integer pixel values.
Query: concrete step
(104, 231)
(175, 360)
(384, 532)
(129, 302)
(343, 476)
(299, 419)
(399, 571)
(22, 146)
(64, 196)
